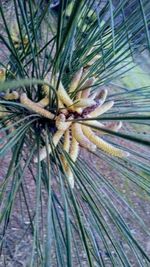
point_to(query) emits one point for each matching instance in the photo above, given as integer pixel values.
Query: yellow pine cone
(43, 102)
(94, 123)
(78, 95)
(16, 36)
(93, 60)
(46, 89)
(86, 87)
(77, 133)
(114, 126)
(11, 96)
(56, 138)
(68, 172)
(66, 146)
(102, 95)
(93, 96)
(3, 112)
(70, 177)
(61, 122)
(63, 96)
(75, 81)
(61, 107)
(25, 40)
(74, 151)
(35, 107)
(102, 109)
(2, 75)
(43, 151)
(83, 103)
(17, 41)
(101, 144)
